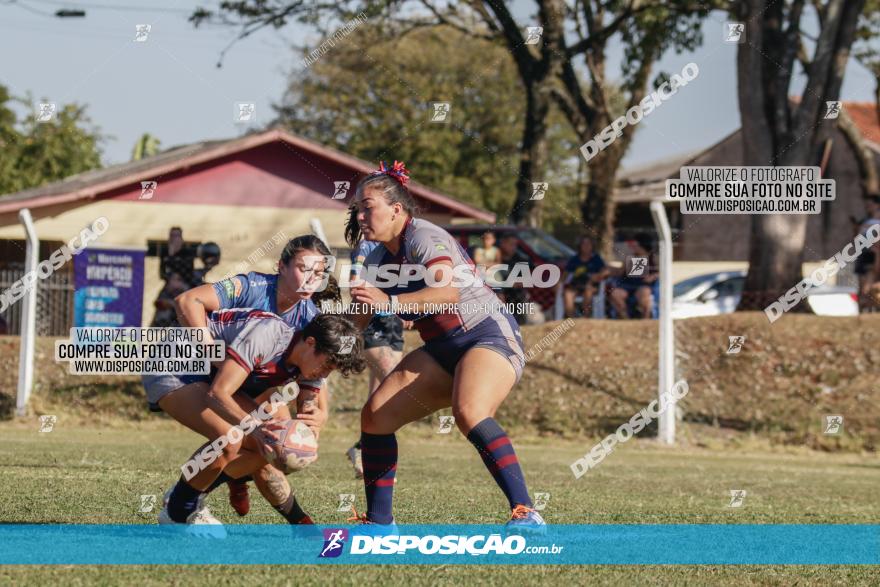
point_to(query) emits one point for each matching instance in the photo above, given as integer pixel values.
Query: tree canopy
(34, 153)
(371, 97)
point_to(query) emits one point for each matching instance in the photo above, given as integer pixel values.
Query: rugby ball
(297, 447)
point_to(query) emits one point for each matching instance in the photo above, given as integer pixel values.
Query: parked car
(539, 246)
(719, 293)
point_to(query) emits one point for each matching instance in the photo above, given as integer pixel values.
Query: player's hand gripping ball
(297, 447)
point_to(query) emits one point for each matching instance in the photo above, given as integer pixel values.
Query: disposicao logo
(334, 542)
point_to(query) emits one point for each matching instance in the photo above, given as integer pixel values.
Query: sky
(170, 86)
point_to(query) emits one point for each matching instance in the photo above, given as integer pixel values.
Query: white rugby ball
(297, 447)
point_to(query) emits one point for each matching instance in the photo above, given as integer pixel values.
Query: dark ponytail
(394, 192)
(352, 228)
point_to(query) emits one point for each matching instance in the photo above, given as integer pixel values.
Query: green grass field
(74, 475)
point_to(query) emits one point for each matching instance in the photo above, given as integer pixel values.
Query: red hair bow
(398, 171)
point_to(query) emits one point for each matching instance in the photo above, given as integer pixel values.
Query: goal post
(666, 351)
(28, 316)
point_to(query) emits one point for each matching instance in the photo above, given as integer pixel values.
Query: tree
(34, 153)
(547, 68)
(866, 46)
(646, 30)
(381, 114)
(779, 131)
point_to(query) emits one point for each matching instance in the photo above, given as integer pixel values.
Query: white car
(719, 293)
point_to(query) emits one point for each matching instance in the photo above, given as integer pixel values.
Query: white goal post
(666, 352)
(27, 336)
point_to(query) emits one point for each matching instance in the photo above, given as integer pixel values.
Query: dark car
(536, 244)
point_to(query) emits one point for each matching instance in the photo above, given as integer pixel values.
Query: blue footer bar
(672, 544)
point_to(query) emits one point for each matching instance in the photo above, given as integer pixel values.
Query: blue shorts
(499, 332)
(158, 386)
(632, 284)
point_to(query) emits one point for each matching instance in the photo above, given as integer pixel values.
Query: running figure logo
(47, 423)
(446, 424)
(245, 112)
(148, 502)
(833, 424)
(541, 500)
(346, 344)
(346, 501)
(141, 32)
(737, 497)
(533, 34)
(539, 189)
(639, 264)
(735, 344)
(735, 32)
(317, 272)
(341, 188)
(832, 110)
(46, 111)
(439, 111)
(334, 540)
(148, 189)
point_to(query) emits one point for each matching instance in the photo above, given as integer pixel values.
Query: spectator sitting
(209, 253)
(639, 275)
(165, 314)
(179, 258)
(583, 273)
(488, 254)
(514, 295)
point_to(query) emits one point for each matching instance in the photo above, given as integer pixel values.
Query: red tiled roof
(864, 115)
(95, 184)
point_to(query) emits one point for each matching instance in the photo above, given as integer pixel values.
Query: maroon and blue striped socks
(379, 455)
(499, 457)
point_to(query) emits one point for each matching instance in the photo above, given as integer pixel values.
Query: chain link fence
(54, 303)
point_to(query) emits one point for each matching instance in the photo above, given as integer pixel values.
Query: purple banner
(109, 287)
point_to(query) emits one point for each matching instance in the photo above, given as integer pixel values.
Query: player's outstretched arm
(193, 306)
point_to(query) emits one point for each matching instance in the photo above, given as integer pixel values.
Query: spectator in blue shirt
(583, 274)
(639, 277)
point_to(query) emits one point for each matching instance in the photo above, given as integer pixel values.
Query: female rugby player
(383, 344)
(471, 358)
(287, 294)
(262, 352)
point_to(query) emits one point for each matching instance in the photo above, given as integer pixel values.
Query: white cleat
(354, 456)
(200, 523)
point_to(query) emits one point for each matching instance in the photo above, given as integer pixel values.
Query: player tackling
(471, 358)
(262, 352)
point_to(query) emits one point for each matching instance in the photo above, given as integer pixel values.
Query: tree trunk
(598, 209)
(532, 158)
(776, 132)
(776, 241)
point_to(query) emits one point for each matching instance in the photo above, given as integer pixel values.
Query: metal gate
(54, 303)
